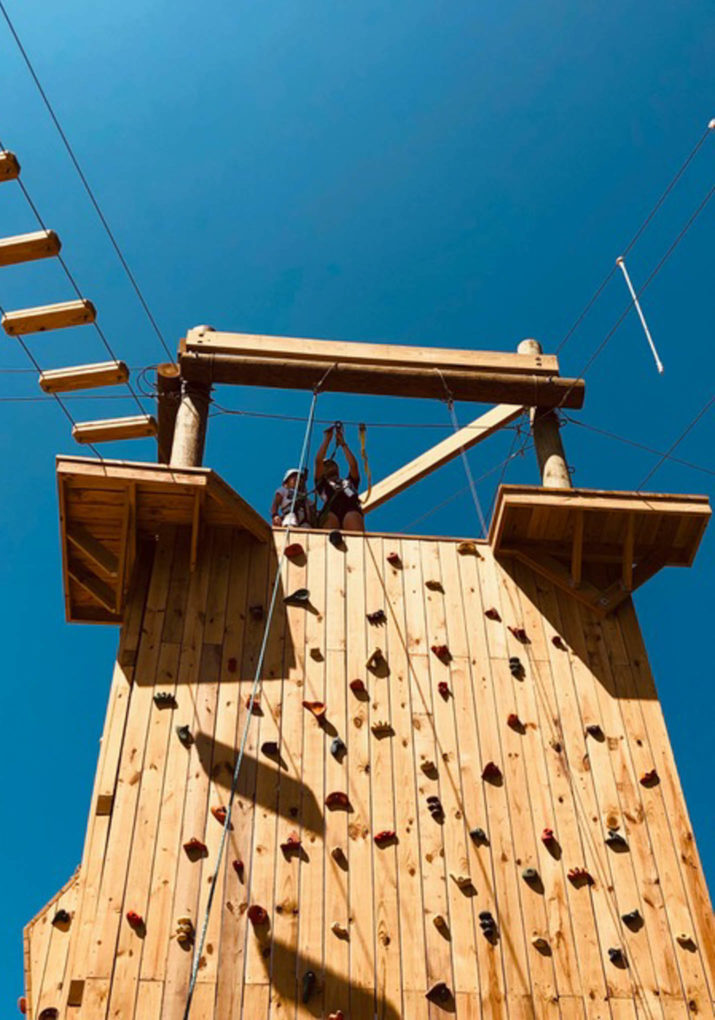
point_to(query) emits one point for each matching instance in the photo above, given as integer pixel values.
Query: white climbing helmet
(293, 471)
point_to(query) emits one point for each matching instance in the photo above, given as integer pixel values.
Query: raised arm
(275, 506)
(322, 450)
(353, 469)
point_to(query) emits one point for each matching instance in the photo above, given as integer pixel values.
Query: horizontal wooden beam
(9, 166)
(83, 377)
(110, 429)
(426, 463)
(286, 349)
(405, 381)
(59, 316)
(42, 244)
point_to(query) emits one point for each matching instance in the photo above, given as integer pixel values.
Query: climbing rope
(362, 432)
(251, 701)
(463, 454)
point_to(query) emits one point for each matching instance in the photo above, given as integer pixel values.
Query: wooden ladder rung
(114, 428)
(37, 320)
(83, 377)
(43, 244)
(9, 166)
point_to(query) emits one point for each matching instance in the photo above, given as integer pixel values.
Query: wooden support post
(547, 437)
(187, 449)
(168, 394)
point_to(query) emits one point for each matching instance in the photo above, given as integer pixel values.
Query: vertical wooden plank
(52, 976)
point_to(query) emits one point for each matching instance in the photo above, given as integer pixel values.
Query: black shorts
(342, 505)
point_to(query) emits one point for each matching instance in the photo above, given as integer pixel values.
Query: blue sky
(442, 174)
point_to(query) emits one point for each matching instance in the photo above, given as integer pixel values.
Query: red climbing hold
(195, 847)
(514, 721)
(338, 1015)
(232, 665)
(491, 771)
(442, 653)
(22, 1004)
(558, 642)
(135, 920)
(650, 778)
(492, 614)
(385, 836)
(357, 686)
(520, 634)
(393, 559)
(443, 688)
(238, 868)
(257, 915)
(547, 835)
(579, 876)
(219, 814)
(291, 844)
(337, 799)
(254, 706)
(294, 551)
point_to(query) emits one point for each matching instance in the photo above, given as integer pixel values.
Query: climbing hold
(316, 655)
(194, 847)
(487, 924)
(540, 943)
(309, 976)
(491, 772)
(615, 955)
(61, 917)
(442, 652)
(184, 933)
(595, 731)
(338, 1015)
(300, 597)
(336, 539)
(467, 548)
(381, 727)
(232, 664)
(238, 867)
(615, 840)
(384, 837)
(220, 814)
(316, 708)
(22, 1005)
(547, 836)
(492, 614)
(520, 634)
(633, 917)
(357, 686)
(377, 617)
(434, 806)
(292, 844)
(530, 875)
(184, 735)
(439, 992)
(294, 551)
(440, 924)
(515, 666)
(580, 876)
(270, 748)
(253, 704)
(49, 1013)
(337, 800)
(338, 748)
(134, 920)
(650, 778)
(443, 688)
(393, 559)
(514, 722)
(256, 613)
(556, 746)
(463, 881)
(257, 915)
(684, 939)
(164, 699)
(478, 836)
(339, 929)
(377, 661)
(428, 766)
(558, 642)
(434, 586)
(338, 855)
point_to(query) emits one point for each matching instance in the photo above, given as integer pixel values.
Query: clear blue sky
(447, 174)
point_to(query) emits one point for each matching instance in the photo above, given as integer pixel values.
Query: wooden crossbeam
(112, 429)
(42, 244)
(99, 554)
(99, 591)
(83, 377)
(441, 453)
(45, 317)
(385, 369)
(9, 166)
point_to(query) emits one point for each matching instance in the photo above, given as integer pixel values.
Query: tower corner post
(546, 430)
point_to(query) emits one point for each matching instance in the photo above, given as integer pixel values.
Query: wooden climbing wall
(192, 634)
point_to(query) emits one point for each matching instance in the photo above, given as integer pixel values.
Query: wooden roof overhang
(106, 506)
(597, 545)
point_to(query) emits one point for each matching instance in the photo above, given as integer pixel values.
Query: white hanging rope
(620, 261)
(463, 455)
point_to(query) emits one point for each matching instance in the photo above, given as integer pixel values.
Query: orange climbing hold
(220, 814)
(316, 708)
(135, 920)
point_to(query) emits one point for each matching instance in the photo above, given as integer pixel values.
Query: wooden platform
(598, 545)
(107, 506)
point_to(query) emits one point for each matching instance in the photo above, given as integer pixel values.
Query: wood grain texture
(197, 635)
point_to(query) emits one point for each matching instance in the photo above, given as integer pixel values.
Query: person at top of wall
(303, 514)
(341, 502)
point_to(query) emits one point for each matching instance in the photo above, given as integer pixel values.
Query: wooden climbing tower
(510, 839)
